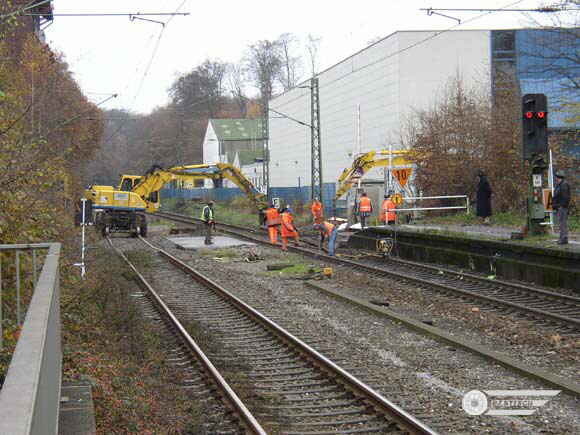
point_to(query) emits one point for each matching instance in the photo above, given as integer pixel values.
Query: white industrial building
(367, 99)
(380, 86)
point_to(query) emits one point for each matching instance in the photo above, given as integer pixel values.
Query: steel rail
(570, 321)
(231, 398)
(460, 275)
(408, 421)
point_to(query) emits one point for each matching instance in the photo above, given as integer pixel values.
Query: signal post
(535, 150)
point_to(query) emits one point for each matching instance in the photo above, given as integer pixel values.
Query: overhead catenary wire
(127, 14)
(397, 52)
(148, 67)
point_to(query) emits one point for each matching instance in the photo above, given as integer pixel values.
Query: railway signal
(534, 125)
(535, 149)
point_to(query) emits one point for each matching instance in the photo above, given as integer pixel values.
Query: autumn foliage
(467, 131)
(46, 137)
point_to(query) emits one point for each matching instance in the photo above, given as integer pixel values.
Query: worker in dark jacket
(207, 216)
(484, 193)
(561, 204)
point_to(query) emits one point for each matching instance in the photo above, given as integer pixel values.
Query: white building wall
(429, 66)
(367, 79)
(387, 84)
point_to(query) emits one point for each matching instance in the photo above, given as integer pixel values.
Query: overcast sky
(112, 54)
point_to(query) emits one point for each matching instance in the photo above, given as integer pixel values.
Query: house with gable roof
(238, 142)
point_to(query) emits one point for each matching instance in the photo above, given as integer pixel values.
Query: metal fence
(30, 396)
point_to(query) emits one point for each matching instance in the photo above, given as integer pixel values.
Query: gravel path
(414, 371)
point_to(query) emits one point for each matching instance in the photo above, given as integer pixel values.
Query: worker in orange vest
(388, 215)
(273, 222)
(365, 208)
(289, 231)
(317, 211)
(330, 230)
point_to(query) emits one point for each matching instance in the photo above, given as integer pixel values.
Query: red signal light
(529, 115)
(541, 115)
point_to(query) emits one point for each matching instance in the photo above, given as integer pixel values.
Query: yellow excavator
(123, 209)
(368, 161)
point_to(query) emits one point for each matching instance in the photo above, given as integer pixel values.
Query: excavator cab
(128, 183)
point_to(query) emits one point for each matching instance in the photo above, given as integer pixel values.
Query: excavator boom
(365, 163)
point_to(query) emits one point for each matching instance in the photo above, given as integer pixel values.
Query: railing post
(1, 331)
(18, 288)
(34, 268)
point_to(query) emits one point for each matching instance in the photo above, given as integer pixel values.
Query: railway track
(558, 311)
(287, 385)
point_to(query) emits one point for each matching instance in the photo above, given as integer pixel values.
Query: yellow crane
(364, 163)
(123, 209)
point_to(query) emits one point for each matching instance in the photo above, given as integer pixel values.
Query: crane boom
(123, 209)
(365, 163)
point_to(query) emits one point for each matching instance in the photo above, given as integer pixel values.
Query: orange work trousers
(273, 233)
(289, 236)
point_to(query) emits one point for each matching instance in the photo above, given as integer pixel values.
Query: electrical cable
(434, 35)
(146, 73)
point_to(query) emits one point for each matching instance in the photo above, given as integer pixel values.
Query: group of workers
(364, 209)
(281, 221)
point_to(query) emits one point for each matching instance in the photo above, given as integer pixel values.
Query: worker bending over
(328, 230)
(365, 208)
(273, 223)
(317, 211)
(289, 231)
(208, 218)
(388, 215)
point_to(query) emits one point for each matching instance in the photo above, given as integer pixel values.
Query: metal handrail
(30, 396)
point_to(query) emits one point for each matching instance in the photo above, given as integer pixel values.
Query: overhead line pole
(266, 136)
(315, 149)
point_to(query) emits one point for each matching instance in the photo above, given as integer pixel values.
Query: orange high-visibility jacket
(288, 229)
(316, 209)
(365, 205)
(387, 213)
(328, 228)
(272, 217)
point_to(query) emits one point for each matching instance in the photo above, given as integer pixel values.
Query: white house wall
(210, 150)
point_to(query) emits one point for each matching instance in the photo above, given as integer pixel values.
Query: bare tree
(313, 45)
(291, 67)
(237, 83)
(201, 89)
(263, 64)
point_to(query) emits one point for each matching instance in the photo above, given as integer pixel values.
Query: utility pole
(316, 152)
(266, 136)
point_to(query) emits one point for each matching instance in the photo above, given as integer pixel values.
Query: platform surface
(219, 242)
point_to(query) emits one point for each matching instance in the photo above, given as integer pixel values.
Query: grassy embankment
(108, 343)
